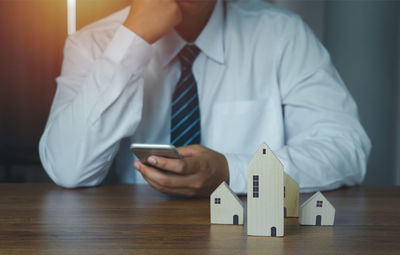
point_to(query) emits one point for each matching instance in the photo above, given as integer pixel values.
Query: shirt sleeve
(325, 144)
(98, 101)
(238, 164)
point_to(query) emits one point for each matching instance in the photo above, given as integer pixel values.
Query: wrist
(141, 30)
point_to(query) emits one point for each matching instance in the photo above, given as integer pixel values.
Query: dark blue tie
(185, 114)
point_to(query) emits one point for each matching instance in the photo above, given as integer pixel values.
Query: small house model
(225, 206)
(265, 208)
(290, 197)
(317, 211)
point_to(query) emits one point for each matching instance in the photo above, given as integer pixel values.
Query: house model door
(235, 219)
(318, 220)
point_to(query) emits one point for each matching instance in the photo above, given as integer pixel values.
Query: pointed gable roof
(290, 179)
(224, 186)
(267, 159)
(317, 195)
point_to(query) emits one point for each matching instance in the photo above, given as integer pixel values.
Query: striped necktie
(185, 114)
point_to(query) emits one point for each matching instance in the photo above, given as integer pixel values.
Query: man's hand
(199, 172)
(152, 19)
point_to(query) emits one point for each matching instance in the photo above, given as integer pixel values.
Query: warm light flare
(71, 12)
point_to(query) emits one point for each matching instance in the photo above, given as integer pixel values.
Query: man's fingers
(177, 166)
(173, 165)
(166, 180)
(171, 191)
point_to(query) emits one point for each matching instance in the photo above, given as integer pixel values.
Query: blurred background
(363, 37)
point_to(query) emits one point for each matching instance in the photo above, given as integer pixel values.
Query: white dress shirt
(262, 76)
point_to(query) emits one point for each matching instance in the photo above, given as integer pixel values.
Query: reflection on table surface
(126, 219)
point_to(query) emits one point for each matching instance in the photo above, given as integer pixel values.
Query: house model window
(319, 203)
(264, 151)
(217, 201)
(255, 185)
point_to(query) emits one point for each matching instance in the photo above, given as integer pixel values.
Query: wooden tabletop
(135, 219)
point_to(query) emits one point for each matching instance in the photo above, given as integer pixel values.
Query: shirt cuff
(128, 49)
(237, 172)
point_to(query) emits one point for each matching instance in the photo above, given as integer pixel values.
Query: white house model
(317, 211)
(225, 206)
(290, 197)
(265, 194)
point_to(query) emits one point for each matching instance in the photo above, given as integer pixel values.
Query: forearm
(92, 113)
(77, 148)
(323, 163)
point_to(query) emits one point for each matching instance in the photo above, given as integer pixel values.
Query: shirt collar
(210, 41)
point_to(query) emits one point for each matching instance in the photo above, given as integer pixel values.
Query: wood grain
(125, 219)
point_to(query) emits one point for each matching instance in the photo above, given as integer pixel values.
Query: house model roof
(269, 160)
(290, 178)
(223, 186)
(317, 194)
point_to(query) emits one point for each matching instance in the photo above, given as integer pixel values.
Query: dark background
(363, 38)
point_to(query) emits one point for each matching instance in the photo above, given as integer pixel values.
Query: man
(219, 77)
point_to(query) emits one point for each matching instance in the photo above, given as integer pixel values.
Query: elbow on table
(68, 181)
(359, 170)
(69, 176)
(355, 159)
(63, 177)
(62, 173)
(73, 180)
(362, 152)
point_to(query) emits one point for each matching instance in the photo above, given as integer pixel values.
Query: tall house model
(317, 211)
(265, 194)
(225, 206)
(291, 197)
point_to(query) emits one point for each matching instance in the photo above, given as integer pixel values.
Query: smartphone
(143, 151)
